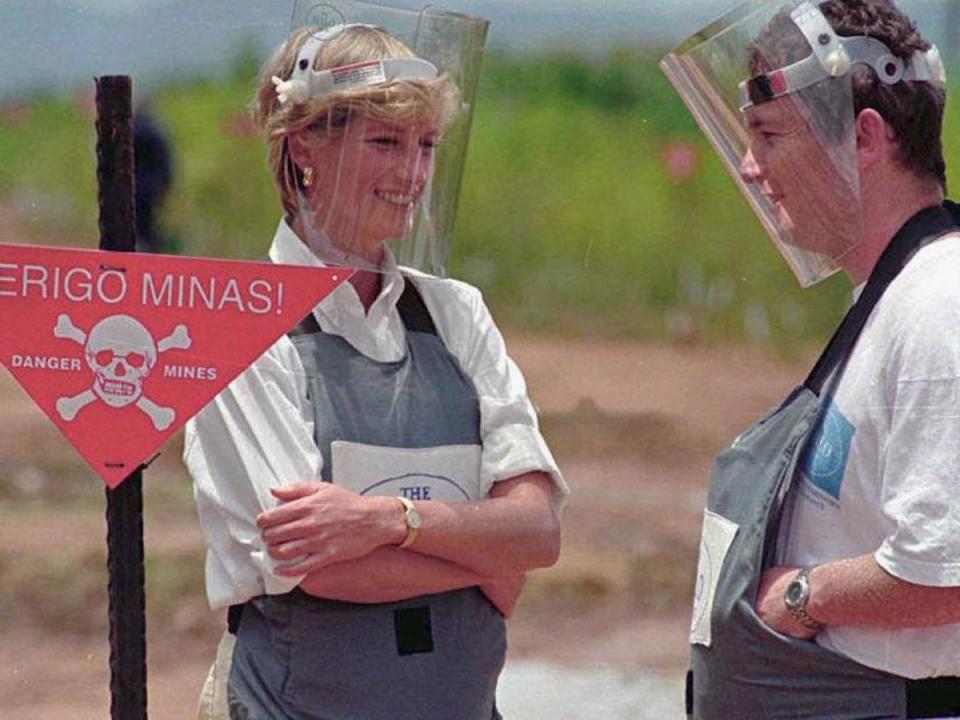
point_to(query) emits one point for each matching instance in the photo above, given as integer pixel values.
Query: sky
(54, 43)
(63, 43)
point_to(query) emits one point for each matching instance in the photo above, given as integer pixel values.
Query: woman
(374, 488)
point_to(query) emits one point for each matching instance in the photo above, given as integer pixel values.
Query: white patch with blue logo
(448, 473)
(825, 458)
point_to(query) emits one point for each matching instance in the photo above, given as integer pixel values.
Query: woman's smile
(400, 198)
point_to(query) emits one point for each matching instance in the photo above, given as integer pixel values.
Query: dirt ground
(633, 426)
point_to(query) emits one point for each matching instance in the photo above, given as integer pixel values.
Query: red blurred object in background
(680, 159)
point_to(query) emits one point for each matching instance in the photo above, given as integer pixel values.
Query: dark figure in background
(154, 174)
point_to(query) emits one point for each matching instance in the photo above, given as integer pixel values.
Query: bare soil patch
(633, 426)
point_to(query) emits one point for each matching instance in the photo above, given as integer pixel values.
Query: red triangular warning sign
(120, 350)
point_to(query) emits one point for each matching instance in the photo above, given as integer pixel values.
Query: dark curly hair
(913, 110)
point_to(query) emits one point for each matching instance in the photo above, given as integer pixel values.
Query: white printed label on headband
(365, 73)
(718, 534)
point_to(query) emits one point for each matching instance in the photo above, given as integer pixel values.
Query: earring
(307, 176)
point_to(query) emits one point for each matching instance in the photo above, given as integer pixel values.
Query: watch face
(413, 518)
(795, 594)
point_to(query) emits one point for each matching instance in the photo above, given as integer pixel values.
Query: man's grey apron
(437, 656)
(741, 669)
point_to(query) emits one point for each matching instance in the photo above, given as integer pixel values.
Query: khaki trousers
(213, 696)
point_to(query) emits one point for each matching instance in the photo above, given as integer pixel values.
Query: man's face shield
(391, 94)
(771, 86)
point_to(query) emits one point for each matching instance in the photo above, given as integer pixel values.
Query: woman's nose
(418, 165)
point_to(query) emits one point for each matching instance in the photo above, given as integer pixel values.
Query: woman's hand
(504, 592)
(317, 524)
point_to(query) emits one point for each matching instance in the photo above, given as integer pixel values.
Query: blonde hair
(327, 116)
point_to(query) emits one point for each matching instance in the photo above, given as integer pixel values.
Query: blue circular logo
(324, 17)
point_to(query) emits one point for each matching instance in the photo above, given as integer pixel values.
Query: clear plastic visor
(378, 171)
(792, 154)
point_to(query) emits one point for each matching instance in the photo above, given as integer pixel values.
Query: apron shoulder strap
(413, 311)
(922, 229)
(307, 326)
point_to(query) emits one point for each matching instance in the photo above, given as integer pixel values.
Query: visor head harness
(306, 83)
(834, 56)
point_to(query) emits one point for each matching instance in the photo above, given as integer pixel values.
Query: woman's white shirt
(258, 433)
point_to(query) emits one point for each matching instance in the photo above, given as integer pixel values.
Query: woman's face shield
(367, 183)
(380, 168)
(790, 145)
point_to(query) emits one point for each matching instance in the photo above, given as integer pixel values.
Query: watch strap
(802, 617)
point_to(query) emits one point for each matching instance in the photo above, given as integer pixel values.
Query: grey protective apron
(436, 656)
(748, 671)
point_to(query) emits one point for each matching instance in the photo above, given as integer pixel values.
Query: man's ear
(875, 138)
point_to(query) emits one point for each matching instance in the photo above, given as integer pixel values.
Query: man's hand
(771, 608)
(318, 524)
(504, 592)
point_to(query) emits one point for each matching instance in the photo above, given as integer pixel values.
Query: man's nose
(750, 168)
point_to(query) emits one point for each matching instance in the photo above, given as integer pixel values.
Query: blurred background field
(591, 204)
(636, 289)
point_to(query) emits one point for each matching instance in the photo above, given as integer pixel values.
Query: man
(154, 175)
(829, 576)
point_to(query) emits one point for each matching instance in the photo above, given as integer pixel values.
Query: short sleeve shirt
(881, 473)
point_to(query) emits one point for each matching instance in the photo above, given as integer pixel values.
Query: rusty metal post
(125, 567)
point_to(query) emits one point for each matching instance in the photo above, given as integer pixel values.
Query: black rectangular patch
(413, 630)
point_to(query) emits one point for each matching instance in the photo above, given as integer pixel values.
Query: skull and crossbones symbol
(121, 353)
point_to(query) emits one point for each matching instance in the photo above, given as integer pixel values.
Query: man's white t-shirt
(881, 473)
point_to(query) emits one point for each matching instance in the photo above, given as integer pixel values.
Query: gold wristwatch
(411, 517)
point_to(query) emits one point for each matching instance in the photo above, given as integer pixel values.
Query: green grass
(569, 220)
